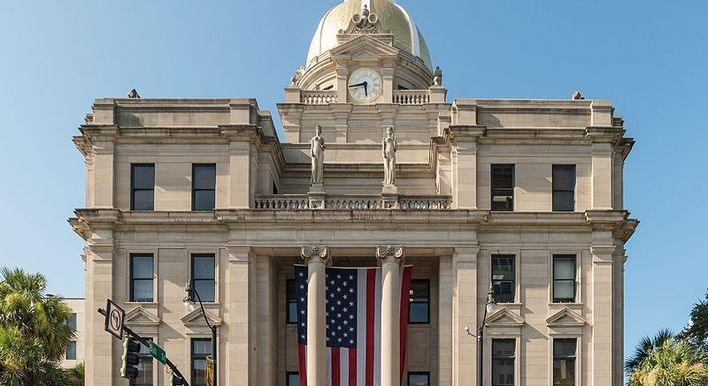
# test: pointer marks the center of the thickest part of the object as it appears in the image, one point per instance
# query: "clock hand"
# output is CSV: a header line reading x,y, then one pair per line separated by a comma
x,y
358,84
366,87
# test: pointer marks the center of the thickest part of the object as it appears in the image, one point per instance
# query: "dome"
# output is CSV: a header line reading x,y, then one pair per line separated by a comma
x,y
392,17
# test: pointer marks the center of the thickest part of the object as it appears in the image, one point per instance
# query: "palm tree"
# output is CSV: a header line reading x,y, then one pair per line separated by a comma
x,y
674,363
645,347
34,334
76,375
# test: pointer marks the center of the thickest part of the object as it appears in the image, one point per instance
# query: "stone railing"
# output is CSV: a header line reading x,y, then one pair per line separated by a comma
x,y
316,97
353,202
411,97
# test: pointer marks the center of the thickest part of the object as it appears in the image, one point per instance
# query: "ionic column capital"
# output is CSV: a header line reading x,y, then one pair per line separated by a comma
x,y
389,253
312,254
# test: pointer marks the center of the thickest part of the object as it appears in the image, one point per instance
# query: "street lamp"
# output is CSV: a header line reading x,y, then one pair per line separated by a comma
x,y
488,308
191,306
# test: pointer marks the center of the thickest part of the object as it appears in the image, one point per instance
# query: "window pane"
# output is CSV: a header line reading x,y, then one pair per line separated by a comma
x,y
206,290
502,176
71,322
564,268
144,368
564,372
71,351
142,291
143,176
204,200
502,372
201,347
564,201
418,313
418,379
564,348
564,291
563,177
204,176
292,312
503,278
142,267
203,267
293,379
503,347
143,200
420,290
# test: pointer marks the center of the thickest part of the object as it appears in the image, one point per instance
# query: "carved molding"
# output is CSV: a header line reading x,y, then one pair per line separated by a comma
x,y
565,318
385,252
139,316
504,317
310,253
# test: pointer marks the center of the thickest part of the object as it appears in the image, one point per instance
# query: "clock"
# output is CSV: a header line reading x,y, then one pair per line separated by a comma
x,y
365,85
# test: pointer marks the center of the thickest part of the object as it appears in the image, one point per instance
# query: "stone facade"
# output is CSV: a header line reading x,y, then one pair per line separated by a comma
x,y
76,352
441,214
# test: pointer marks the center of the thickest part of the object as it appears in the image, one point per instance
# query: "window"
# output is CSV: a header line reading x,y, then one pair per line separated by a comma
x,y
418,379
564,362
71,322
503,352
203,271
144,368
141,276
419,306
201,348
563,278
503,278
142,186
291,294
292,378
563,188
503,187
71,351
203,186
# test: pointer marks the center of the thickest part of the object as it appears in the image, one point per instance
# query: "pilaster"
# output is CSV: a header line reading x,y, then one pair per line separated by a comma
x,y
104,175
240,175
464,165
601,176
602,251
464,313
240,365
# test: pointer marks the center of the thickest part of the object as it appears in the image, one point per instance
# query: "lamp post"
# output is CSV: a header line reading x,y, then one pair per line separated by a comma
x,y
189,304
488,308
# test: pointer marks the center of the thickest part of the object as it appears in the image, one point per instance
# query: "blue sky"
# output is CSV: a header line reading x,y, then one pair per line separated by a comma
x,y
648,57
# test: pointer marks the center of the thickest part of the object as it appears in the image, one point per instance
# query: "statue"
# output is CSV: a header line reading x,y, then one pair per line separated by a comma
x,y
134,94
317,149
437,76
388,150
297,76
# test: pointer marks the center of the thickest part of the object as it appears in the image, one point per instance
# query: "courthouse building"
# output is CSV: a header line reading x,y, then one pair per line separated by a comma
x,y
525,196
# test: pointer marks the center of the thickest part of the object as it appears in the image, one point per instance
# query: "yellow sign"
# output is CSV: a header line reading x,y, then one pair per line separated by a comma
x,y
210,371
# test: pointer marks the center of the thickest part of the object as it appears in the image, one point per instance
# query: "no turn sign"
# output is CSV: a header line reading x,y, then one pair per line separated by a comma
x,y
114,319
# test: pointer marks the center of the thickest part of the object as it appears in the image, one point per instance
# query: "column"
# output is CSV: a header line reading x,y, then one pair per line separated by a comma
x,y
316,259
390,258
236,368
465,312
602,309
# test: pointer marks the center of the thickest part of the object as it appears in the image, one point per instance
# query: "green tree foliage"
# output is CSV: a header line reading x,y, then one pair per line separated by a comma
x,y
697,330
34,334
645,347
76,376
676,362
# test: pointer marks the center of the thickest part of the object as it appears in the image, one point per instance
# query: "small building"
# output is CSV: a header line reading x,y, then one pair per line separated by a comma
x,y
75,353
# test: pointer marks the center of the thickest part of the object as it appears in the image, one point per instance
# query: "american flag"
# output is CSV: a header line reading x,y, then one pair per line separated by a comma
x,y
353,316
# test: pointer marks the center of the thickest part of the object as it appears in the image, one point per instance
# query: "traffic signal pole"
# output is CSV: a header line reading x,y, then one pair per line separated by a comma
x,y
146,343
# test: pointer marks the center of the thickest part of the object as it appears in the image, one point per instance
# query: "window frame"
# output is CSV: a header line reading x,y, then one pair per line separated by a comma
x,y
493,189
574,259
71,344
133,189
132,279
287,377
193,280
513,358
195,189
514,275
72,320
288,301
193,357
411,301
555,190
409,373
576,358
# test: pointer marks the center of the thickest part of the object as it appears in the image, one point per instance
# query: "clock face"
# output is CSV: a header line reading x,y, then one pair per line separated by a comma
x,y
365,85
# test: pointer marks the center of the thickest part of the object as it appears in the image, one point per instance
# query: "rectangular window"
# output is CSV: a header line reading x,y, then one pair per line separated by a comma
x,y
503,355
564,362
291,294
563,188
142,187
71,322
563,278
419,306
201,349
203,186
292,378
141,277
503,187
144,368
503,278
203,277
71,351
418,379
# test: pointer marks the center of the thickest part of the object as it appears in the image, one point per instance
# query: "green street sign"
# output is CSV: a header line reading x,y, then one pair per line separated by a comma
x,y
158,352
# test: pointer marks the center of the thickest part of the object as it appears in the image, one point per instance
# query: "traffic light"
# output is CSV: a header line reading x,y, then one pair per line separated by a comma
x,y
130,358
177,381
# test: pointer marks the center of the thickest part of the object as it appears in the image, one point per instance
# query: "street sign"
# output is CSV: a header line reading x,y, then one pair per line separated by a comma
x,y
210,371
114,319
158,353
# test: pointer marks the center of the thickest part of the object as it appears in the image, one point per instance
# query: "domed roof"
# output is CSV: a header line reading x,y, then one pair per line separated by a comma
x,y
392,17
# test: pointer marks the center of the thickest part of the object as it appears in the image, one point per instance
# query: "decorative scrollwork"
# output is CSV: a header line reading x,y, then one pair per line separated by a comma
x,y
309,252
384,252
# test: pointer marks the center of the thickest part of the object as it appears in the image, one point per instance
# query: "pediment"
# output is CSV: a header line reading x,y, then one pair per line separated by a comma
x,y
504,317
565,318
196,319
140,316
364,48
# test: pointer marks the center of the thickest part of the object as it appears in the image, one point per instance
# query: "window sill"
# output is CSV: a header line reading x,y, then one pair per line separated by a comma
x,y
134,303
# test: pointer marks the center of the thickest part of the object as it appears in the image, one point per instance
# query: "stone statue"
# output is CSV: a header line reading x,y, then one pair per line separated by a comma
x,y
297,76
577,95
134,94
317,149
437,76
388,150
